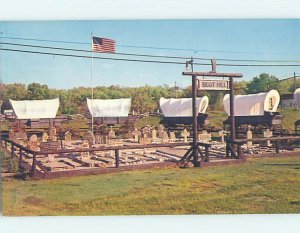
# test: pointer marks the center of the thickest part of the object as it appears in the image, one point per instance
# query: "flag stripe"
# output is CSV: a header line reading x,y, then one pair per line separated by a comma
x,y
103,45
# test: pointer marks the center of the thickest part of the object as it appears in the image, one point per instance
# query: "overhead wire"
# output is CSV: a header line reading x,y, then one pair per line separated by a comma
x,y
162,48
123,59
271,83
278,81
96,57
85,50
132,60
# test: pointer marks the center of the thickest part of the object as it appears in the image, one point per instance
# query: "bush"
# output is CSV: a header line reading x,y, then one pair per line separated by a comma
x,y
13,165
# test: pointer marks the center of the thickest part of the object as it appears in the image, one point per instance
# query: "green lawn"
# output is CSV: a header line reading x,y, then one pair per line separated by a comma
x,y
216,118
290,116
4,125
75,124
269,185
151,120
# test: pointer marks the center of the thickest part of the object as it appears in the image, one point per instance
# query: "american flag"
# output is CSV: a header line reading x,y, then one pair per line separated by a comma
x,y
104,45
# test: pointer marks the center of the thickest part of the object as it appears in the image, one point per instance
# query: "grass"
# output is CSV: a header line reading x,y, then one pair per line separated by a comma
x,y
4,125
290,117
268,185
216,118
75,124
7,163
141,122
151,120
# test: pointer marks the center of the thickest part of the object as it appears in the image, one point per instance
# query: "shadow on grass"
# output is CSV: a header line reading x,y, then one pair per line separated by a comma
x,y
282,164
295,202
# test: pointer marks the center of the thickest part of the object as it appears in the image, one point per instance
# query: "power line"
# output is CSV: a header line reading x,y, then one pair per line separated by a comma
x,y
285,75
102,58
256,60
150,61
43,40
136,54
81,50
164,48
85,50
1,72
271,83
259,65
146,61
278,81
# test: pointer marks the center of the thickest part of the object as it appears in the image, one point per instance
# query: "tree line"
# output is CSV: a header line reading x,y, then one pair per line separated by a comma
x,y
144,99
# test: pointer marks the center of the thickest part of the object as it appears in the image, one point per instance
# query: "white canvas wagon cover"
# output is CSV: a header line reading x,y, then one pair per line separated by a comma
x,y
109,107
182,107
35,109
297,97
254,104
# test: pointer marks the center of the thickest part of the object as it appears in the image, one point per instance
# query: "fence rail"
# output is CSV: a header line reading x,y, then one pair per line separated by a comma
x,y
232,146
239,142
24,151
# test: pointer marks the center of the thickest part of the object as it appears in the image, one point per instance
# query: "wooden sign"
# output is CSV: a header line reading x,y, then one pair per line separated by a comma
x,y
218,85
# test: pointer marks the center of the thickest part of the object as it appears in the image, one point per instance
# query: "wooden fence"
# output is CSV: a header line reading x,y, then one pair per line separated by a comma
x,y
232,147
25,152
237,152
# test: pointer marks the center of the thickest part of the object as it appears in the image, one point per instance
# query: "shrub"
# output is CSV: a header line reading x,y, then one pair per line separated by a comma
x,y
13,165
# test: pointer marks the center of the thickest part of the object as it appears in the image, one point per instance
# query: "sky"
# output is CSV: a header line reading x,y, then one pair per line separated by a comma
x,y
230,39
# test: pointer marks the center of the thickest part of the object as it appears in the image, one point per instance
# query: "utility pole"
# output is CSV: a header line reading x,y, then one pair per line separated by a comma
x,y
1,68
294,81
92,85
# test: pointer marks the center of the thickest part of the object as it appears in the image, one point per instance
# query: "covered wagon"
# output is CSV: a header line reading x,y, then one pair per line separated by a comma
x,y
297,98
37,113
179,111
297,105
255,109
111,111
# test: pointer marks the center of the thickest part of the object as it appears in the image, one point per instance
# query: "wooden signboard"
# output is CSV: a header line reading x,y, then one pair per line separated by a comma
x,y
217,85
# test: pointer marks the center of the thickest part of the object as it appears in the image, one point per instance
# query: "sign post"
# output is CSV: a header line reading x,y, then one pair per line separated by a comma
x,y
232,131
195,123
216,85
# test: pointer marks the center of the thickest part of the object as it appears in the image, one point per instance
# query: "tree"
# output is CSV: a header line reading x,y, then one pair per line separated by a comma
x,y
37,91
142,102
15,91
241,88
263,83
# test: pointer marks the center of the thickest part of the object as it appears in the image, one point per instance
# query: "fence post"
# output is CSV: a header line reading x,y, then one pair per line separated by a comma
x,y
277,147
21,158
239,152
12,150
227,149
33,167
207,153
117,153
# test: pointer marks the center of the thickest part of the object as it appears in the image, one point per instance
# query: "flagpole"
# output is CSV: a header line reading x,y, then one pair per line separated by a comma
x,y
92,62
